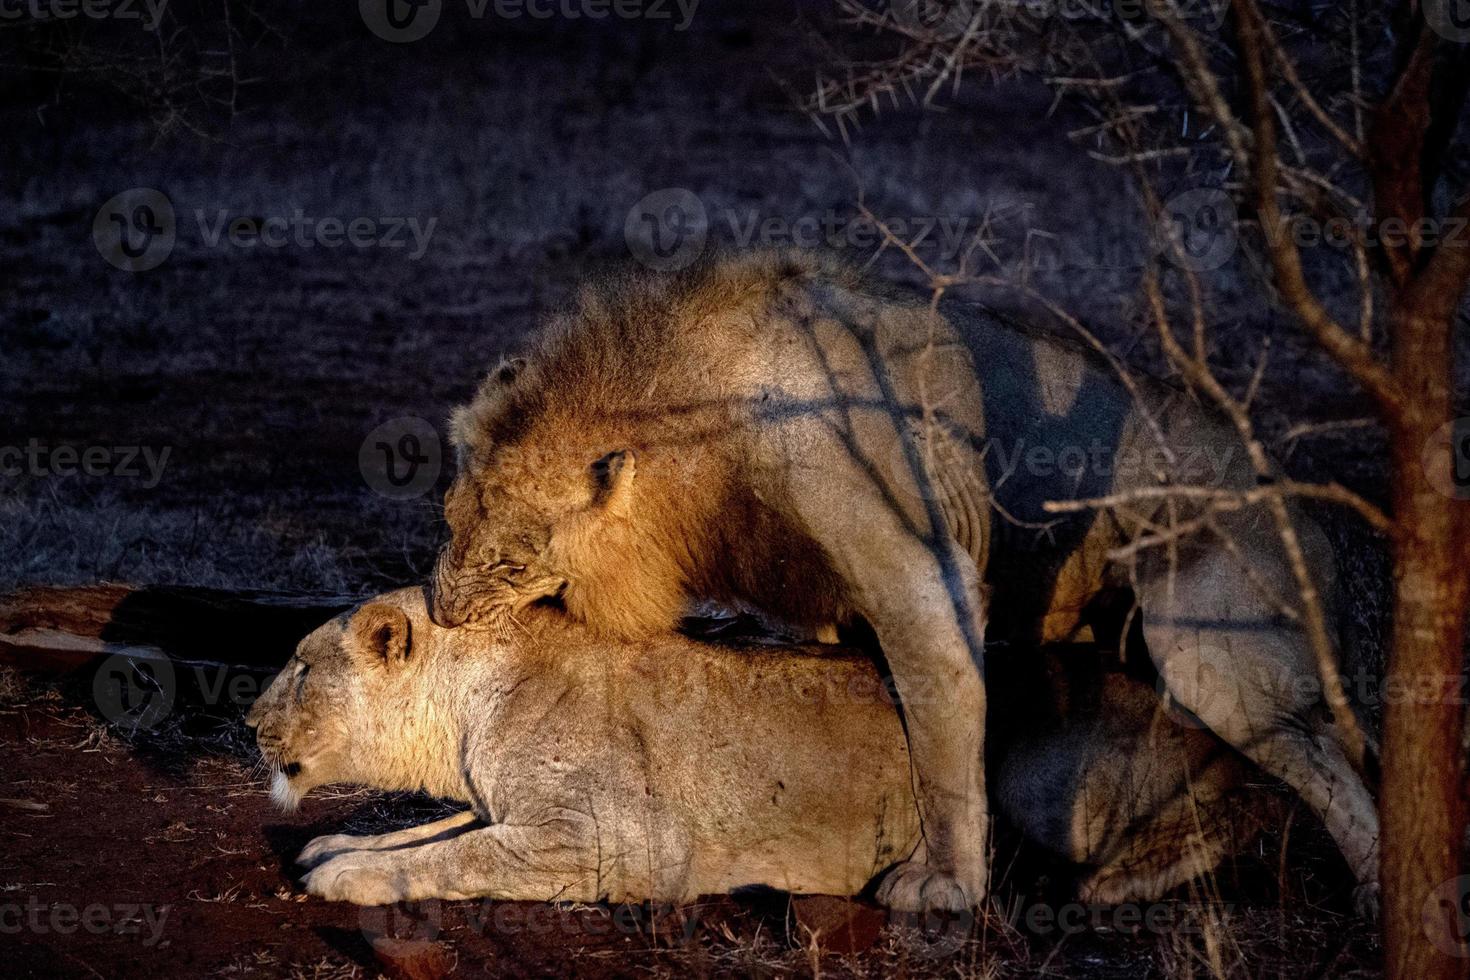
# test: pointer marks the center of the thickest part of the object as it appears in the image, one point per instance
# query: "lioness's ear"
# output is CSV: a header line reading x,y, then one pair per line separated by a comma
x,y
382,633
612,475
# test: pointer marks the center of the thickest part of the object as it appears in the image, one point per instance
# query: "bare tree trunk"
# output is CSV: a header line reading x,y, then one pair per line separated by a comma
x,y
1421,803
1424,260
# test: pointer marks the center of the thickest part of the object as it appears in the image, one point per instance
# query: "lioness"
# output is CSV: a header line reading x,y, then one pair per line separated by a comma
x,y
771,431
598,769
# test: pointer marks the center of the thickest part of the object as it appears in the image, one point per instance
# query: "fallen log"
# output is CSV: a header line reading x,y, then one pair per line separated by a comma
x,y
60,629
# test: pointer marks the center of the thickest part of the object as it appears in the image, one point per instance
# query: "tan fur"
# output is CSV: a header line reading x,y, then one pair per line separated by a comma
x,y
641,382
770,431
770,407
597,769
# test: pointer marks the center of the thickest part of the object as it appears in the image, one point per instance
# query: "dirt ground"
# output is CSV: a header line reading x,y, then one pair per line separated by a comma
x,y
264,372
157,852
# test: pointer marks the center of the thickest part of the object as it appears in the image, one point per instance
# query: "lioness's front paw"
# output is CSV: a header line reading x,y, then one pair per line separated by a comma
x,y
913,886
360,877
328,846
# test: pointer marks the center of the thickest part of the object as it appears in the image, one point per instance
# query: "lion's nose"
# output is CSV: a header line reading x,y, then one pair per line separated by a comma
x,y
445,613
441,604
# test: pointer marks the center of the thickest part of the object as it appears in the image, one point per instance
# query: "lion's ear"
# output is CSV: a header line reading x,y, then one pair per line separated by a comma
x,y
509,370
462,423
468,423
612,476
382,634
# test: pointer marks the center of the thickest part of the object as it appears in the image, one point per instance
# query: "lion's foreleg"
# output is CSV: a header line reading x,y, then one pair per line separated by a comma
x,y
508,862
922,595
330,845
931,636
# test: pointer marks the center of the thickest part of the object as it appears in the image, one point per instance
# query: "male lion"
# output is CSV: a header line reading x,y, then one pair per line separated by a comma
x,y
770,431
599,769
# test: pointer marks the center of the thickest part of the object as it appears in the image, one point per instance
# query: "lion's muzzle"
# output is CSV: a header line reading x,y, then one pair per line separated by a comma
x,y
447,605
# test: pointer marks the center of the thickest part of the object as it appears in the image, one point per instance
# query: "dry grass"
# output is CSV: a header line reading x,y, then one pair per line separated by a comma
x,y
13,687
61,534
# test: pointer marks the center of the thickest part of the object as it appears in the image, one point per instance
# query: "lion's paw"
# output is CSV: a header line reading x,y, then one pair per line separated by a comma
x,y
328,846
360,877
913,886
1108,887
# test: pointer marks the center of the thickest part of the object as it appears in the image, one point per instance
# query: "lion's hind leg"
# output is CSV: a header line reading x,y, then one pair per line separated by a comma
x,y
1227,656
1186,840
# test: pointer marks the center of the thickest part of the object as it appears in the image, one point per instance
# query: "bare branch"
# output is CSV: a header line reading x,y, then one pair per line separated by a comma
x,y
1289,72
1202,82
1351,353
1226,499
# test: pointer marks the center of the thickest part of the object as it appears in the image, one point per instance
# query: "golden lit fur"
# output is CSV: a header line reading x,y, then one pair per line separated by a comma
x,y
771,431
730,434
670,768
641,383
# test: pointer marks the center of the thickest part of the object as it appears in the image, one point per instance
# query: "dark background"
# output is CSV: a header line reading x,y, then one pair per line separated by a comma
x,y
526,142
263,371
